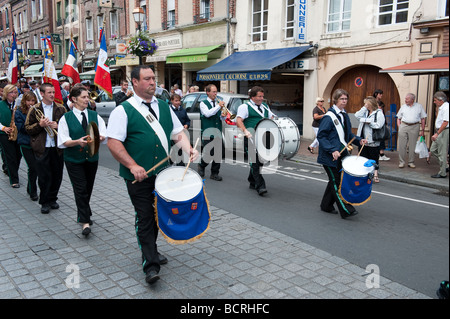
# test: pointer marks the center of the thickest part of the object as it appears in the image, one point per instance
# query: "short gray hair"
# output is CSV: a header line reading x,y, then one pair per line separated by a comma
x,y
441,96
412,95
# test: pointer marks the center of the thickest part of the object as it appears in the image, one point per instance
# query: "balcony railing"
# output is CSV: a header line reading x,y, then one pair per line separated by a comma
x,y
169,24
202,18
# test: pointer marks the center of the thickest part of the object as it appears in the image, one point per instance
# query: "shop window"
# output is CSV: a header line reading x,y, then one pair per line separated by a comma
x,y
339,15
260,15
392,11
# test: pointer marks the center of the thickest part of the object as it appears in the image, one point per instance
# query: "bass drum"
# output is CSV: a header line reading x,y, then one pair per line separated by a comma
x,y
277,138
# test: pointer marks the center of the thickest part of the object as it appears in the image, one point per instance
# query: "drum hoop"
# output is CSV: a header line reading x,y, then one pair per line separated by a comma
x,y
298,137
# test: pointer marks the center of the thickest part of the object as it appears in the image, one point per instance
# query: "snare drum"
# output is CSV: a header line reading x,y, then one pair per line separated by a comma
x,y
277,138
182,209
356,181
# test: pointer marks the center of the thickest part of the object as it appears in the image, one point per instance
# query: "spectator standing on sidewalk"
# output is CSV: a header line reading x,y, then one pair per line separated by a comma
x,y
318,113
411,124
378,95
439,147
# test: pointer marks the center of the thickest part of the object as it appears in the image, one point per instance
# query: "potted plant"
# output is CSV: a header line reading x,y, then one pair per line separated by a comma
x,y
142,44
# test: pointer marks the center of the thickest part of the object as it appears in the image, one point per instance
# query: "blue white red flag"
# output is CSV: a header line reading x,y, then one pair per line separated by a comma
x,y
102,74
13,66
70,69
50,76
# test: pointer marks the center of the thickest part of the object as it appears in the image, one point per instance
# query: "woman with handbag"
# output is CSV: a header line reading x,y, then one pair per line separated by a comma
x,y
370,118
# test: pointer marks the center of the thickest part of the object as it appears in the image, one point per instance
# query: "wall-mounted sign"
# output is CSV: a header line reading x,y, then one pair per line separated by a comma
x,y
301,9
34,51
298,65
359,82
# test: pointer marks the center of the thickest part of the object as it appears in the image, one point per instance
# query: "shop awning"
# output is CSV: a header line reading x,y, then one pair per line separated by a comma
x,y
201,54
250,65
34,70
429,66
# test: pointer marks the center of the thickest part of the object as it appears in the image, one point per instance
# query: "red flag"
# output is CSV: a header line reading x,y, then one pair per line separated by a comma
x,y
13,66
102,75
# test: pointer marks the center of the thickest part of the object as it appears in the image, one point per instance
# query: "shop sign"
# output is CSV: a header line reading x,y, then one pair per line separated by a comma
x,y
301,9
169,43
188,59
235,76
127,61
295,66
88,64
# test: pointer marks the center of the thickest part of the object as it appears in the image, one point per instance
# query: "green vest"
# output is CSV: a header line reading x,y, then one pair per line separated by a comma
x,y
76,154
5,115
142,143
211,122
254,117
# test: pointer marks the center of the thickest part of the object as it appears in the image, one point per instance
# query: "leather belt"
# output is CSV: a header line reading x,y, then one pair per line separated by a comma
x,y
409,124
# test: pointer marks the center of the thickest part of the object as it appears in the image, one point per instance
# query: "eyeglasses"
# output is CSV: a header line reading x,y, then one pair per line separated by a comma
x,y
343,99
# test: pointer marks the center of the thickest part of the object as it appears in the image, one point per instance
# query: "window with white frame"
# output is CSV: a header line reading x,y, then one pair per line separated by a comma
x,y
15,24
99,24
260,15
25,21
114,25
290,19
392,11
41,9
89,32
21,28
339,15
35,42
33,9
205,9
443,9
171,14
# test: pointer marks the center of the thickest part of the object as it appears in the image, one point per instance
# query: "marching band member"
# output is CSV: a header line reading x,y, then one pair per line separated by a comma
x,y
248,116
211,120
139,132
73,139
42,124
9,147
335,131
23,139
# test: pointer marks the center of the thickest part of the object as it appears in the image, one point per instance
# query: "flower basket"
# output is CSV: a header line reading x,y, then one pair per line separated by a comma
x,y
142,45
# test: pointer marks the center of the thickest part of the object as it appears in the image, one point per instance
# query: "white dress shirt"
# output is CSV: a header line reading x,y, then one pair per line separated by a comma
x,y
118,119
442,115
210,112
63,128
243,110
411,114
48,113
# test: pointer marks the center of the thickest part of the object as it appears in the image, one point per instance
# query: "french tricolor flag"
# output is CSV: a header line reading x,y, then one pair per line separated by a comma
x,y
102,75
49,75
70,69
13,68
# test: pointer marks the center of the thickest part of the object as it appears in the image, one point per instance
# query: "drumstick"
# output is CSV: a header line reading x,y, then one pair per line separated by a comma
x,y
154,167
190,160
361,149
347,145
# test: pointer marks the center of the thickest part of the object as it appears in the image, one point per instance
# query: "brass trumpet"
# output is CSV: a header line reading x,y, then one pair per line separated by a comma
x,y
39,116
224,109
93,96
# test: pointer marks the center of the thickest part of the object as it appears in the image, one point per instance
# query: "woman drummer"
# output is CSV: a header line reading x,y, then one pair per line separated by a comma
x,y
73,138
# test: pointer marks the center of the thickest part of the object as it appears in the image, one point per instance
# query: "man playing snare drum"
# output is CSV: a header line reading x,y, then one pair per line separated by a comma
x,y
139,133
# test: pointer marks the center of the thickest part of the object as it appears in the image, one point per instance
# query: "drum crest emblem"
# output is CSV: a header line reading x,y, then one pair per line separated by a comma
x,y
175,211
194,206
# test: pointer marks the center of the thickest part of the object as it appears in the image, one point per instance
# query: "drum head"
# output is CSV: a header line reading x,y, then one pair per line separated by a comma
x,y
94,144
354,165
169,186
268,140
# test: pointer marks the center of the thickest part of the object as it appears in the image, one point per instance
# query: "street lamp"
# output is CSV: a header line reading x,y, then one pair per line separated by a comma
x,y
139,16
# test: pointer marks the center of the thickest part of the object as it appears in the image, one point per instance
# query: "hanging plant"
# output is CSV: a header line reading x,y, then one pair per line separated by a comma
x,y
142,44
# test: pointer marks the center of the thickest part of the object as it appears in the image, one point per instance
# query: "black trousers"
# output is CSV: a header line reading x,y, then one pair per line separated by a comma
x,y
143,199
331,195
12,157
28,155
82,177
50,172
255,177
215,167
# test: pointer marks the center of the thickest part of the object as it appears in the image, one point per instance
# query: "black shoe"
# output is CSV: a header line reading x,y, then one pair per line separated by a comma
x,y
45,209
54,205
201,171
438,176
15,185
34,197
252,186
151,277
216,177
162,259
86,231
262,191
345,215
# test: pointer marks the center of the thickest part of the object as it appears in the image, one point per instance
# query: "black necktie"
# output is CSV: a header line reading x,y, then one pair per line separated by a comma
x,y
150,109
84,121
259,108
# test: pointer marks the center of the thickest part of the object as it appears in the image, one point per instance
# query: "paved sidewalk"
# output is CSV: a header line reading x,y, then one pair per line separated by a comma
x,y
236,258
